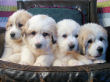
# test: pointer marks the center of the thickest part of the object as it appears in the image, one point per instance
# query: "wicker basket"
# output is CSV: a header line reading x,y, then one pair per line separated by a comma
x,y
11,72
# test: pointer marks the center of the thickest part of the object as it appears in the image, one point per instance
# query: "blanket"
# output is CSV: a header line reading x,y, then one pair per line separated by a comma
x,y
103,9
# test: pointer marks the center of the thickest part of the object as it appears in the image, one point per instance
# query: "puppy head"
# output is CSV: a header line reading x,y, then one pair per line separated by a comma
x,y
15,24
93,40
39,32
67,31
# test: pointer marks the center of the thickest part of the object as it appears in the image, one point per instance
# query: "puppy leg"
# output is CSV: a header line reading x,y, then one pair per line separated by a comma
x,y
15,58
74,62
79,57
44,60
99,61
27,57
7,52
57,62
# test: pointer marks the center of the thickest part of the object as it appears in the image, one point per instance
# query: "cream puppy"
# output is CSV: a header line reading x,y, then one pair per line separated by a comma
x,y
39,34
67,34
93,42
13,35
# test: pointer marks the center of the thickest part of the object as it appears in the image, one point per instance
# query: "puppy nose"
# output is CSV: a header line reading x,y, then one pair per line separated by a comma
x,y
71,46
12,35
38,45
100,49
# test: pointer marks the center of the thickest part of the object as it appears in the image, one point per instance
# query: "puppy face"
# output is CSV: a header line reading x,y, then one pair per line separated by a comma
x,y
93,40
15,23
67,31
39,33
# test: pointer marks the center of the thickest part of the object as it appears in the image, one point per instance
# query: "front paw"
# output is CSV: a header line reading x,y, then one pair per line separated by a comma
x,y
99,61
24,63
40,64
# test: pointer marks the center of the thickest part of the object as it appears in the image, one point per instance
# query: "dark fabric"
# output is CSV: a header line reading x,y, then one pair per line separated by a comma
x,y
59,13
88,6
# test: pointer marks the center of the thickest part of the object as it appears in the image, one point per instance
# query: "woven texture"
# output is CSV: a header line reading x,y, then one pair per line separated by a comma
x,y
104,12
59,13
7,7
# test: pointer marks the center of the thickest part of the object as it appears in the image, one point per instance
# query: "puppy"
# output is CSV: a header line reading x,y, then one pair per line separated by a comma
x,y
67,34
93,42
13,35
39,34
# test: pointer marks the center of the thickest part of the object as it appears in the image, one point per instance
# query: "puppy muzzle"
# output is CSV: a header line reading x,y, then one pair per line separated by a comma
x,y
71,47
38,45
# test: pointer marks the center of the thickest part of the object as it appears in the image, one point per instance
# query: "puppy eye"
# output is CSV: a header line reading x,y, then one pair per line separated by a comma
x,y
101,38
45,34
90,41
76,35
10,25
20,25
33,33
64,36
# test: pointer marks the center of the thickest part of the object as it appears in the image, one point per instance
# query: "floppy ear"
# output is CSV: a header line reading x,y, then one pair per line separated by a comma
x,y
8,23
81,45
54,38
24,29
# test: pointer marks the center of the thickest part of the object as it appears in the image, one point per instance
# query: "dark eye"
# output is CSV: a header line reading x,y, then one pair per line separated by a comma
x,y
76,35
90,41
10,24
33,33
45,34
20,25
64,36
101,38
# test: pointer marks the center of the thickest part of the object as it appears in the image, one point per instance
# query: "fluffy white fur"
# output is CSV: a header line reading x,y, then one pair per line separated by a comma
x,y
13,35
38,39
67,33
93,42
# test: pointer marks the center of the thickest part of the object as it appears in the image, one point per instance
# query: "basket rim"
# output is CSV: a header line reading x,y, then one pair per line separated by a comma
x,y
83,68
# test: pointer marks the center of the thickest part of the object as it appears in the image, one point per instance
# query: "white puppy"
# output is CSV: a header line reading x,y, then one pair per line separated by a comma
x,y
67,33
13,35
39,34
93,42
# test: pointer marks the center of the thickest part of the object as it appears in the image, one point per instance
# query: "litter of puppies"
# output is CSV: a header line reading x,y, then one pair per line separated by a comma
x,y
39,41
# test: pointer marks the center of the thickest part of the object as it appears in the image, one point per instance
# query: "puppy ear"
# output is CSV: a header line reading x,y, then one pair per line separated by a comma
x,y
25,29
53,40
8,23
81,44
54,37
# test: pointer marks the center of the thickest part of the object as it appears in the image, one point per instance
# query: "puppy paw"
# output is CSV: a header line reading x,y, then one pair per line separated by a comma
x,y
40,64
75,63
44,60
99,61
24,63
87,61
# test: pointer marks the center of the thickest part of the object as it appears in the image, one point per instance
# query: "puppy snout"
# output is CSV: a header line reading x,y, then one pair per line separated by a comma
x,y
71,46
100,49
38,45
12,35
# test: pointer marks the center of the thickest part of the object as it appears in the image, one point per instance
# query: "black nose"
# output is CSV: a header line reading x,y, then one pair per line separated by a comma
x,y
71,46
38,45
12,35
100,49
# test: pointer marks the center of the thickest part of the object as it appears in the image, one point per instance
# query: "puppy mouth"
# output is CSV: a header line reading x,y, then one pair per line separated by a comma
x,y
38,46
14,37
99,55
71,47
